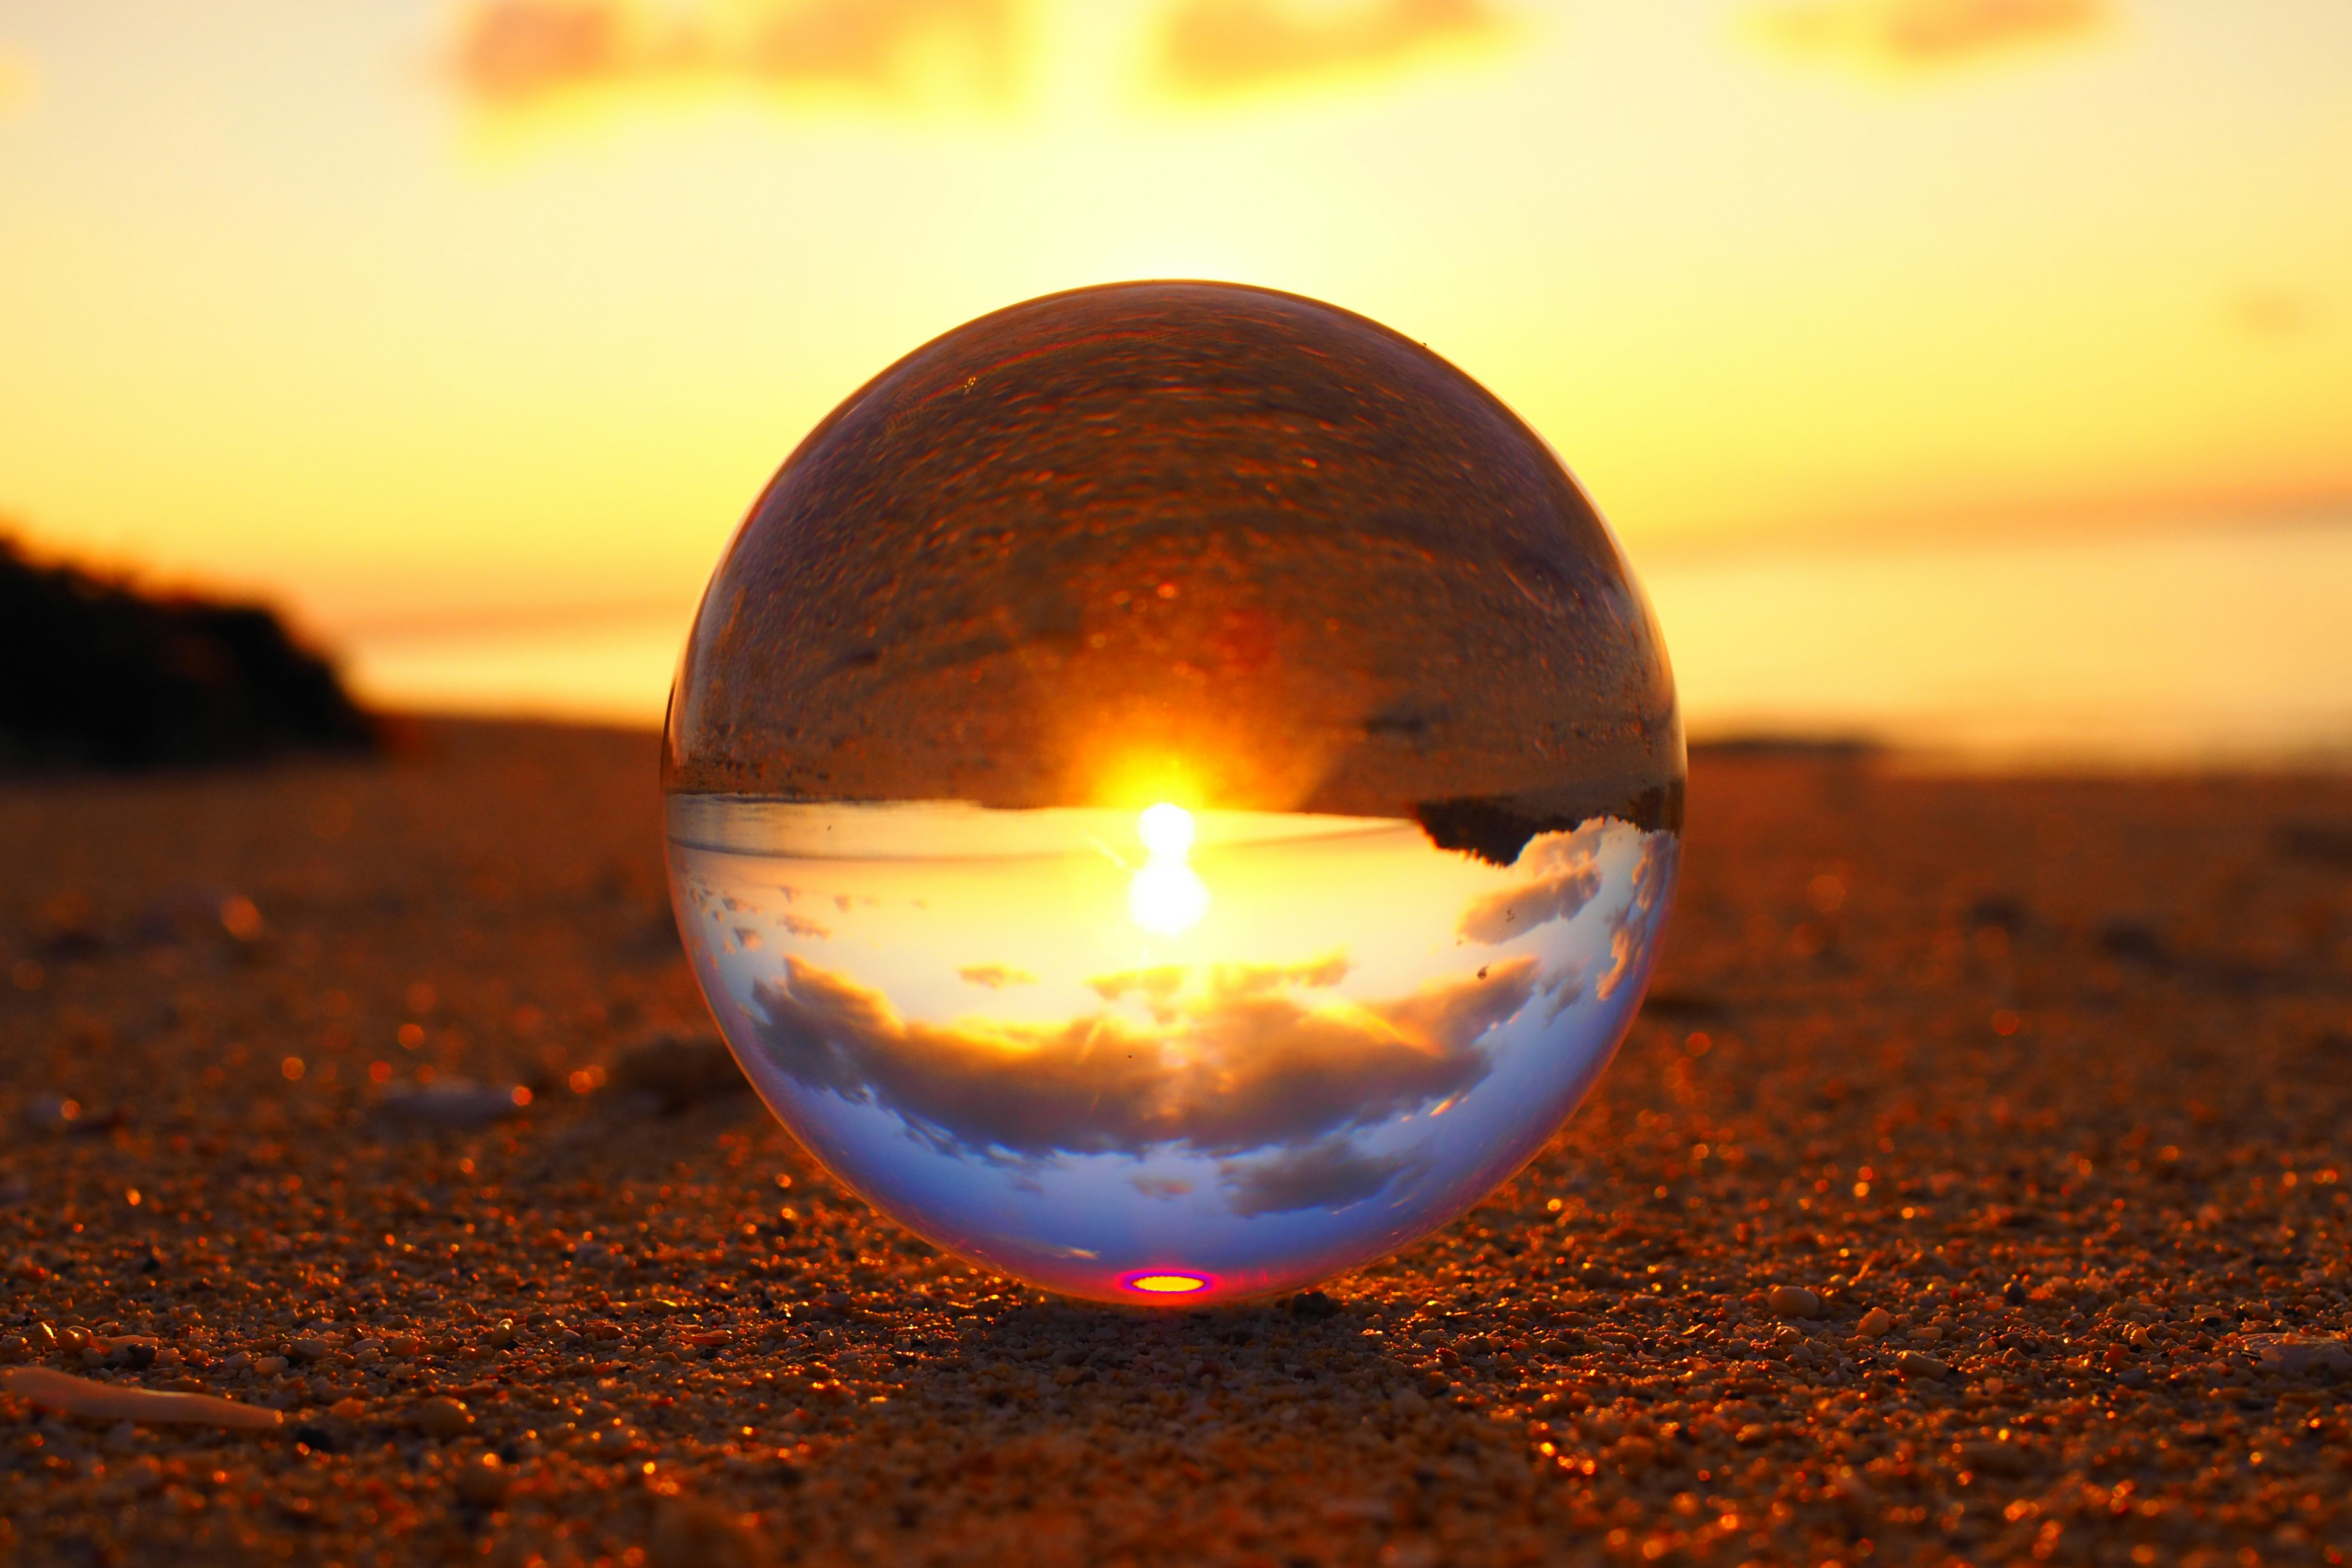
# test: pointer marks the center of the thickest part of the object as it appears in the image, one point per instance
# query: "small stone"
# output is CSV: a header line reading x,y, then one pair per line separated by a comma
x,y
442,1416
51,1113
691,1533
1919,1363
483,1484
454,1102
1792,1301
136,1352
1313,1304
1875,1323
71,1396
680,1071
309,1348
270,1365
1409,1400
2293,1354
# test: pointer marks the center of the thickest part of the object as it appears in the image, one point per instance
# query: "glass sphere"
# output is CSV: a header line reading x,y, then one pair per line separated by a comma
x,y
1172,792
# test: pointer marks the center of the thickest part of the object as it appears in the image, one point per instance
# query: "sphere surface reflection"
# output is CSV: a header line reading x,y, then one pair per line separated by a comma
x,y
1172,792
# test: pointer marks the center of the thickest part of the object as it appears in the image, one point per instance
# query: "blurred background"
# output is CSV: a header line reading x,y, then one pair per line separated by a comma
x,y
1973,375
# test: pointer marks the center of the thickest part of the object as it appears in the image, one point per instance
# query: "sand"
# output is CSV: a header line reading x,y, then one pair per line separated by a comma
x,y
2034,1094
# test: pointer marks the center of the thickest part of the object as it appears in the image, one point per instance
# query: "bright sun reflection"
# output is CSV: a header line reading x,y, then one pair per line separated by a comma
x,y
1167,896
1166,1284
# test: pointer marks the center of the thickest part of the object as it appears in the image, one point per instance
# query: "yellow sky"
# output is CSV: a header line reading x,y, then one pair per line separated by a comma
x,y
406,310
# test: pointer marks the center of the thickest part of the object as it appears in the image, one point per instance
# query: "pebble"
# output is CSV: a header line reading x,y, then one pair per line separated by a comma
x,y
2294,1353
1876,1323
455,1103
483,1483
442,1416
680,1071
71,1395
1793,1302
50,1113
689,1532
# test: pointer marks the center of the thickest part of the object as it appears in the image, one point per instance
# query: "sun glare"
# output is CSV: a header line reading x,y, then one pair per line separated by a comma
x,y
1166,1284
1167,831
1167,896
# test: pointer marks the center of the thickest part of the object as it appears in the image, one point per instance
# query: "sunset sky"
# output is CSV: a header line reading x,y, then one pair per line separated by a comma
x,y
410,312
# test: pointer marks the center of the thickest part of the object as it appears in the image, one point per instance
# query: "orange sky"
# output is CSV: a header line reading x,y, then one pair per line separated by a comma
x,y
403,310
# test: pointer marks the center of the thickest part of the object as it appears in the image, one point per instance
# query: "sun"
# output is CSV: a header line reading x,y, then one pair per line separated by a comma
x,y
1167,896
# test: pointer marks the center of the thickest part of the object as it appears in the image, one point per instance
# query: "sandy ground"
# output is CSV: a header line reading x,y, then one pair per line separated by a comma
x,y
2040,1088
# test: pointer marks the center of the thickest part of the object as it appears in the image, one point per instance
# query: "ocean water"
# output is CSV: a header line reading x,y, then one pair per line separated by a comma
x,y
1129,1056
2189,647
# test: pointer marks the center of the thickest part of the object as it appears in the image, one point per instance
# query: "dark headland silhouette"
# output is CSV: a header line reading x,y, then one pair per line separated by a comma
x,y
96,673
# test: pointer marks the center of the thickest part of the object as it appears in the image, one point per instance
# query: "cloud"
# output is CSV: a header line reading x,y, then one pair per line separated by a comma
x,y
1635,931
1330,1173
1160,1186
994,976
1215,47
18,81
515,53
1226,1073
1561,880
2274,313
1158,988
1563,877
1923,35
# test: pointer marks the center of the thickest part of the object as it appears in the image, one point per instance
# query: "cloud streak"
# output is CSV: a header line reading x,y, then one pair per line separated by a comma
x,y
1330,1173
994,976
1232,1067
1562,877
1211,47
518,53
1914,36
18,81
2274,313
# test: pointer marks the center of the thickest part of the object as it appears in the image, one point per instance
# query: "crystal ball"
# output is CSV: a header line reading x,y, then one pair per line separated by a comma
x,y
1173,792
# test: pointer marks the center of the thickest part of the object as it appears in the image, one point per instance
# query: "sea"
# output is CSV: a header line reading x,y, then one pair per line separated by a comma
x,y
2204,647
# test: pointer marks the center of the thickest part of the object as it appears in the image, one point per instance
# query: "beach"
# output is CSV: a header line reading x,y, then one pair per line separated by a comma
x,y
1970,1188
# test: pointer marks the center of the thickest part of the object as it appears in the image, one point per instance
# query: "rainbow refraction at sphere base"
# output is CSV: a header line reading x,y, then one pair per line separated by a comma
x,y
1173,792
